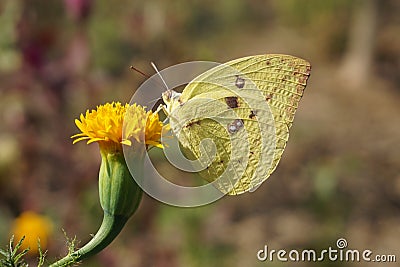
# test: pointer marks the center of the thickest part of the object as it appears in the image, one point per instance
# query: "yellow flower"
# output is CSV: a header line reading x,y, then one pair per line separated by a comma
x,y
113,125
105,125
33,226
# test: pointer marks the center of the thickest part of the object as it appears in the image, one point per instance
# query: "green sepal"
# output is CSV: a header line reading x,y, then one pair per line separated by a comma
x,y
119,193
120,196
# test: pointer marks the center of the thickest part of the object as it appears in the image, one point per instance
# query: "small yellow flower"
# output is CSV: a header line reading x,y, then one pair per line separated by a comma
x,y
105,125
33,226
113,125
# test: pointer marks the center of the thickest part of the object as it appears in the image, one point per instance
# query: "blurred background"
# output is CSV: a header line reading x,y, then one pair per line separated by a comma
x,y
340,173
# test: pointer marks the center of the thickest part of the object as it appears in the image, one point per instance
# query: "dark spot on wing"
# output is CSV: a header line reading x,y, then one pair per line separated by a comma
x,y
235,126
299,89
308,70
303,79
232,128
239,82
268,97
232,101
252,114
238,123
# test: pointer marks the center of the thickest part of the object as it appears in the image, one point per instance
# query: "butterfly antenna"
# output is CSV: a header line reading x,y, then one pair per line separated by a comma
x,y
147,76
139,71
159,74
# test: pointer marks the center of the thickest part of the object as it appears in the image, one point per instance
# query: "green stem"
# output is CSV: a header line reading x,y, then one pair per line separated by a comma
x,y
119,198
109,229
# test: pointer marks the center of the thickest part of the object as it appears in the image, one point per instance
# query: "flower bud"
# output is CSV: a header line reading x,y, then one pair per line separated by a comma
x,y
119,193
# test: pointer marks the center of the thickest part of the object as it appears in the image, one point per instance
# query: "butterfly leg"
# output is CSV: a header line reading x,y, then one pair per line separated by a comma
x,y
163,108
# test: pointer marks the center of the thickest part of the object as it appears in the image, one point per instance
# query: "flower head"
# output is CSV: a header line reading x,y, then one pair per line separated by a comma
x,y
105,125
34,227
113,125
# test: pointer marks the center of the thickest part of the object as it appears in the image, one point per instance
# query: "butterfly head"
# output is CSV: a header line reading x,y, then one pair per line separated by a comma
x,y
171,99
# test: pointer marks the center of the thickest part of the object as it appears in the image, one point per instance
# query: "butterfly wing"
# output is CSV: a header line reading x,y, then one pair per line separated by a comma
x,y
229,143
242,85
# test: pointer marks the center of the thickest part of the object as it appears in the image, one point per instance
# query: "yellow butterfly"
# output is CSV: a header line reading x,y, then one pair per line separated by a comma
x,y
235,118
